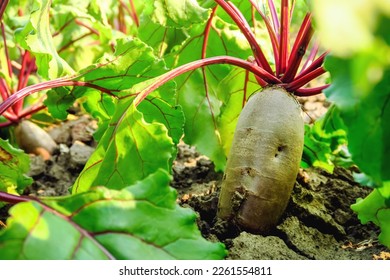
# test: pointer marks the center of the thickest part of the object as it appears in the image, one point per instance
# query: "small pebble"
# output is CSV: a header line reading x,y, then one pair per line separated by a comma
x,y
37,165
80,153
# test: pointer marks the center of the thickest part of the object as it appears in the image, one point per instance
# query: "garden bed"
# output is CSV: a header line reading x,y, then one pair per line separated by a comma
x,y
318,222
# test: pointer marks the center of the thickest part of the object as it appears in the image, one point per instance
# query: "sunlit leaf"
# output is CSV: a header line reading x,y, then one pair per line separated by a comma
x,y
178,13
160,107
101,107
365,109
375,208
161,38
76,43
361,91
36,36
132,63
14,164
325,142
129,150
234,90
351,25
199,91
141,221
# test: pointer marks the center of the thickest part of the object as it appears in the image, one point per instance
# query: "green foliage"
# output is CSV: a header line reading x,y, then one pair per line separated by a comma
x,y
375,208
232,100
128,141
365,109
102,223
177,14
203,93
360,72
326,142
104,69
14,163
36,37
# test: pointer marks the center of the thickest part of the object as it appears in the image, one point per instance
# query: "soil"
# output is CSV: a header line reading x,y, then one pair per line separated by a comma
x,y
318,223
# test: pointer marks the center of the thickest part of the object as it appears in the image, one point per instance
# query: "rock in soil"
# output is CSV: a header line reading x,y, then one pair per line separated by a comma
x,y
33,139
54,177
247,246
80,153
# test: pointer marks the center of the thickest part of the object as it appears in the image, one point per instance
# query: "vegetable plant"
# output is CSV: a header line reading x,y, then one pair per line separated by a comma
x,y
267,147
156,72
9,83
26,44
18,69
264,158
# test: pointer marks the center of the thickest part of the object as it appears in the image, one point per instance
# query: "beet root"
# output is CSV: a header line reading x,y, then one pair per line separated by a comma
x,y
263,162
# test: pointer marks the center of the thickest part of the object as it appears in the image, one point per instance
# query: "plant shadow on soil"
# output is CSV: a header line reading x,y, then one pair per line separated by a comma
x,y
318,222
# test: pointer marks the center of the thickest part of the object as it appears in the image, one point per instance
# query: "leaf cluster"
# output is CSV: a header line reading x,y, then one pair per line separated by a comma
x,y
360,71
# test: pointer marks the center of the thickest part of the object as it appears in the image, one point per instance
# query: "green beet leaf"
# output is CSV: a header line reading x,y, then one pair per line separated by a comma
x,y
178,13
36,36
161,38
325,142
14,164
375,208
156,108
130,149
58,101
361,91
164,24
74,42
241,86
132,63
141,221
102,108
201,110
199,92
366,115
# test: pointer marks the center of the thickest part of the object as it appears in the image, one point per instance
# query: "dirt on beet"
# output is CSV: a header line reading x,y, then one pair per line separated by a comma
x,y
318,223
